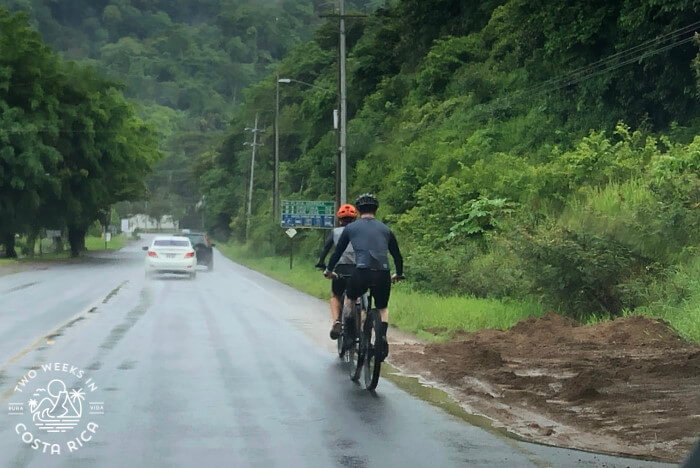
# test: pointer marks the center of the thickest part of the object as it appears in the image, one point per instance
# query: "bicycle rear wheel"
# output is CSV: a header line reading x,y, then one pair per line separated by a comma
x,y
355,349
341,345
372,366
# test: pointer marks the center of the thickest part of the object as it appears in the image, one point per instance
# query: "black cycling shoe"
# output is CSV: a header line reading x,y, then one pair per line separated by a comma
x,y
335,331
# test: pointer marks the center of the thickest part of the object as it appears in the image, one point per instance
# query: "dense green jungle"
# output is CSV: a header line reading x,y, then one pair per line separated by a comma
x,y
519,149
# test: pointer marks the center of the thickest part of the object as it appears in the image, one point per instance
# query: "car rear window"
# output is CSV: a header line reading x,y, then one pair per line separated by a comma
x,y
196,239
171,243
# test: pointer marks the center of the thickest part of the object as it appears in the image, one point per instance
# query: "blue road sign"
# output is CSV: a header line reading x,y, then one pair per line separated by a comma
x,y
308,214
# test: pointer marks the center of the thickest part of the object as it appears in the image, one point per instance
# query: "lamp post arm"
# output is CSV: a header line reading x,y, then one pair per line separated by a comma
x,y
311,85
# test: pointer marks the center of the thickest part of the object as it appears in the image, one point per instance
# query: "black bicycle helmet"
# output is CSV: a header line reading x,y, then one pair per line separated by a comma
x,y
368,200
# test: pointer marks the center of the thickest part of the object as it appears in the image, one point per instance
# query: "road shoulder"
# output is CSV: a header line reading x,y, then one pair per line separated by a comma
x,y
626,387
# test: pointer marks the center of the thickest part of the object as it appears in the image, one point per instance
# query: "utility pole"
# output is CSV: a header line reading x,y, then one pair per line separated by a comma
x,y
343,111
276,185
255,145
342,163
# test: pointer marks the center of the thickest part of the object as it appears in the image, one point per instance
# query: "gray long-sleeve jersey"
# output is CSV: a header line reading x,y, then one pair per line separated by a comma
x,y
372,242
348,257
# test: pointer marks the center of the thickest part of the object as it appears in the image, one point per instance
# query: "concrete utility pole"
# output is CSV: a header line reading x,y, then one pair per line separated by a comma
x,y
342,163
343,112
255,145
276,188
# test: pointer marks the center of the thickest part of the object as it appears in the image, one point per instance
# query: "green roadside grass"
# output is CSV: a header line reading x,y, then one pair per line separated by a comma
x,y
430,316
436,318
46,257
92,243
97,243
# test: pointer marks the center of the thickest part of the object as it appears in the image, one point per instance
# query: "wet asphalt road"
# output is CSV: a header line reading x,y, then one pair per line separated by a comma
x,y
231,369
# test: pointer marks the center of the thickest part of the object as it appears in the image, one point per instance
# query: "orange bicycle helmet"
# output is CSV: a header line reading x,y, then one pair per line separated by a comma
x,y
347,211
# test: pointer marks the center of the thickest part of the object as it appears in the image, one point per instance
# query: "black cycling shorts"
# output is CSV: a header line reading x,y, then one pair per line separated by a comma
x,y
378,282
338,285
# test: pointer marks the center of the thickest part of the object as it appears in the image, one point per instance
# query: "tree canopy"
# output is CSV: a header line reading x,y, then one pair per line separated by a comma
x,y
71,145
186,62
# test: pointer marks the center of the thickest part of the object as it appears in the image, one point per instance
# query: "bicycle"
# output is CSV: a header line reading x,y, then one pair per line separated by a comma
x,y
359,346
357,342
368,343
350,338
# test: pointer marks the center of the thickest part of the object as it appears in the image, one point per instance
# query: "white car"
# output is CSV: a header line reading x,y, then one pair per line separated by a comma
x,y
171,254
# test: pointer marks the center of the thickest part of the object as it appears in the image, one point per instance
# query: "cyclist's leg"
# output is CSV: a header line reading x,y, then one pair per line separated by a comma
x,y
381,290
337,287
336,307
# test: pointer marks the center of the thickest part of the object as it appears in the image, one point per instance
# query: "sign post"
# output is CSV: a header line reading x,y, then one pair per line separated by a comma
x,y
291,232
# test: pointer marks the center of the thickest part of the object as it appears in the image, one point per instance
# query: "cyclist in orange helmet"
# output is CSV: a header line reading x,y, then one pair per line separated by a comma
x,y
346,265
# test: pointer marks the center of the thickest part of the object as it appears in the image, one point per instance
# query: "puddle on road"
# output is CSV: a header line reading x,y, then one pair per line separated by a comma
x,y
441,399
20,287
127,365
113,293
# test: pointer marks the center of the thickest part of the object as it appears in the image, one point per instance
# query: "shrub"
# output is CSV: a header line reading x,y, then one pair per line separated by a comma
x,y
468,270
579,272
498,273
439,271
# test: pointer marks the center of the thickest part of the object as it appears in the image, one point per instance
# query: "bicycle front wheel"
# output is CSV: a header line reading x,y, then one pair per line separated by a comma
x,y
372,365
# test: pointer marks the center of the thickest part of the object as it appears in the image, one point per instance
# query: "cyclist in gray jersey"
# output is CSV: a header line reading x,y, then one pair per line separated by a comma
x,y
344,267
372,242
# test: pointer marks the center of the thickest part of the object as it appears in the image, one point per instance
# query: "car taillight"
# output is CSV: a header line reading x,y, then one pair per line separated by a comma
x,y
189,255
152,253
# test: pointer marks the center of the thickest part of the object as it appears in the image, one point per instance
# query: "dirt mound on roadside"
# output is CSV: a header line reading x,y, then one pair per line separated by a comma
x,y
543,326
587,385
632,380
632,331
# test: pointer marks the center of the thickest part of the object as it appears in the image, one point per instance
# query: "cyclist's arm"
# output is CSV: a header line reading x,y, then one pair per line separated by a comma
x,y
339,249
396,253
327,246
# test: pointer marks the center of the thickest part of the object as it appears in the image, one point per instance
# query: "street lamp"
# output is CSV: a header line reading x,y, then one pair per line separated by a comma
x,y
276,189
276,194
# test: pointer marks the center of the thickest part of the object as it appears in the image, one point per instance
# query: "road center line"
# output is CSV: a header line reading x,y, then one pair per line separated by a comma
x,y
44,338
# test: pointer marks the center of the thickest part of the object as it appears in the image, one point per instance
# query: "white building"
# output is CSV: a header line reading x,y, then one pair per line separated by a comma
x,y
146,223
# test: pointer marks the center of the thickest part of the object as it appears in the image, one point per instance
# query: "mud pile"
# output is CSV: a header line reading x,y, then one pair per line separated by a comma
x,y
630,386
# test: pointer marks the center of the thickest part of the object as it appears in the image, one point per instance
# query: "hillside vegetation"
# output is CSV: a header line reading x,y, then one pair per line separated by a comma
x,y
519,149
186,62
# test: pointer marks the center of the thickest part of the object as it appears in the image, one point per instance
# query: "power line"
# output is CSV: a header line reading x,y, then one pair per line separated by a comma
x,y
631,60
604,62
573,79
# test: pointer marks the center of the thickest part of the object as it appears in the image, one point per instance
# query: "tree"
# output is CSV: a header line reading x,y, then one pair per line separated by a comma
x,y
71,144
29,125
